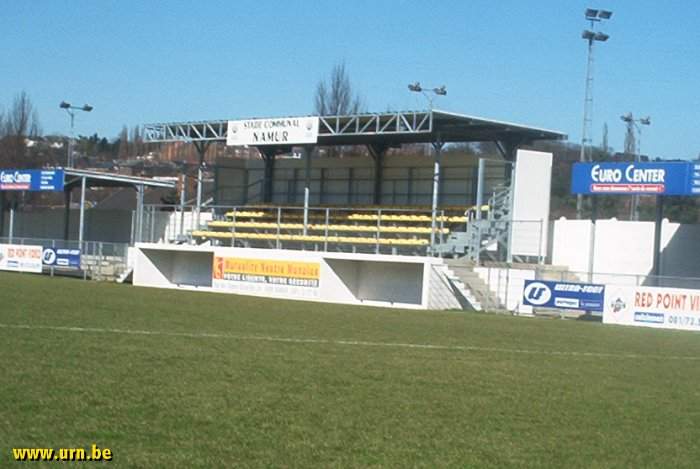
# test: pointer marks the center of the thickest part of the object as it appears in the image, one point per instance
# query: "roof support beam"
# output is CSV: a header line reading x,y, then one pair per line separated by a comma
x,y
268,154
377,151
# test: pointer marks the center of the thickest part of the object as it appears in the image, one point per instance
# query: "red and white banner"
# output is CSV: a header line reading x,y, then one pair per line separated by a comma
x,y
667,308
21,258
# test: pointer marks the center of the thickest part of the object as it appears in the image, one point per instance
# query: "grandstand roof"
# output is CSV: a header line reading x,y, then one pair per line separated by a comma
x,y
391,128
99,179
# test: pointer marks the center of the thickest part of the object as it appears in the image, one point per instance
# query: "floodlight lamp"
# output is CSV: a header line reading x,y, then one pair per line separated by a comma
x,y
627,117
442,91
602,37
645,120
604,14
591,13
87,108
64,105
589,35
415,87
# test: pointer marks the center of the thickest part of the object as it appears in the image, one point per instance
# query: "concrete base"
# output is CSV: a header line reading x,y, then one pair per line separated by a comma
x,y
369,279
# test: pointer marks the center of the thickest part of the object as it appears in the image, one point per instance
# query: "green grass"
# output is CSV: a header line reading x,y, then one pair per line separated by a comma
x,y
503,392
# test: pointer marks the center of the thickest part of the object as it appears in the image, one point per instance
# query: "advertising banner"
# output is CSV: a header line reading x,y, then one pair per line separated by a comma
x,y
564,295
282,131
636,178
31,180
20,258
59,257
668,308
266,271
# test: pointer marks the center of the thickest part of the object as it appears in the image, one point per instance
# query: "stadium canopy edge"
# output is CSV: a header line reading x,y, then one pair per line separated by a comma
x,y
388,128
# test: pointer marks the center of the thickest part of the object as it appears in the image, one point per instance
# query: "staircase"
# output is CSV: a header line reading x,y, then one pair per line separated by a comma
x,y
466,282
484,236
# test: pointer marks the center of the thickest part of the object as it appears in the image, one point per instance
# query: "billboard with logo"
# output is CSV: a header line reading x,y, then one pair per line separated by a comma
x,y
20,258
31,180
636,178
668,308
267,271
564,295
62,258
281,131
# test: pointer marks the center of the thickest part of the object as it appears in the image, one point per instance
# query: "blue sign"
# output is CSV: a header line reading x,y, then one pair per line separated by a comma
x,y
58,257
564,295
31,180
636,178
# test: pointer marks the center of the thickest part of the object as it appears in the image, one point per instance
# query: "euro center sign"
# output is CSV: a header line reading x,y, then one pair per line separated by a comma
x,y
281,131
31,180
636,178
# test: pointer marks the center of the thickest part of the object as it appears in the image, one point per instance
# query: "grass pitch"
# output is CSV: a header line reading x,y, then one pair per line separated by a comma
x,y
178,379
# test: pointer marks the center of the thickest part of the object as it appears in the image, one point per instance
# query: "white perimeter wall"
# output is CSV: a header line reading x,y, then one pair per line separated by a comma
x,y
626,247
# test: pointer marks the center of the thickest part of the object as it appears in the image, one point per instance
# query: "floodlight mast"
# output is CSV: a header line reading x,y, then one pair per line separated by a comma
x,y
593,16
70,109
437,91
635,147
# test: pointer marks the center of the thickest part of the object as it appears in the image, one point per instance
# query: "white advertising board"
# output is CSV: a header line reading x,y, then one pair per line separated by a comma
x,y
20,258
282,131
667,308
533,176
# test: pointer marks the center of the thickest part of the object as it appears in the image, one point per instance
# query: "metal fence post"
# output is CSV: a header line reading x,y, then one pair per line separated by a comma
x,y
379,229
325,241
279,220
82,246
539,249
153,227
507,285
233,228
99,260
442,226
53,245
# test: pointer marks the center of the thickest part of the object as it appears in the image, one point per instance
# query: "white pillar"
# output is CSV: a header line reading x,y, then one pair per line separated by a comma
x,y
199,196
139,214
436,189
81,226
480,187
11,231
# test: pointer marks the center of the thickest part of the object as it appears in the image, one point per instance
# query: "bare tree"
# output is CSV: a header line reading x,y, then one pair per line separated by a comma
x,y
20,122
336,97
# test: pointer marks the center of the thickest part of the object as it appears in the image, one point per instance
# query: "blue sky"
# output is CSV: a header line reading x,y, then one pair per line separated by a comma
x,y
138,62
